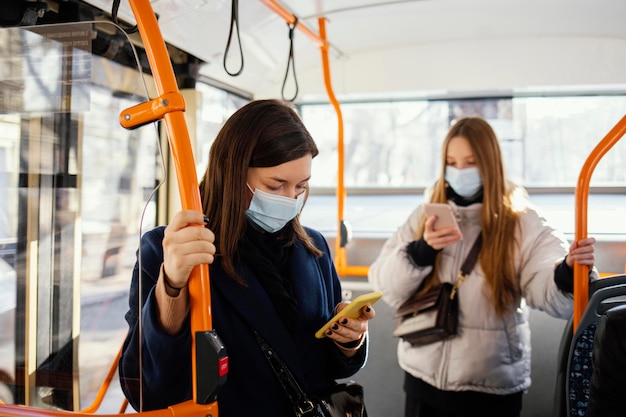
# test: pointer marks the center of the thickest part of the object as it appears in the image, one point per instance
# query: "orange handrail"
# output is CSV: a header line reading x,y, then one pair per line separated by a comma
x,y
185,409
182,153
104,387
341,259
291,19
581,272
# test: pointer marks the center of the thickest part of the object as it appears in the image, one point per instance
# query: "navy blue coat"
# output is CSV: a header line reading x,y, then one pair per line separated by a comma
x,y
251,387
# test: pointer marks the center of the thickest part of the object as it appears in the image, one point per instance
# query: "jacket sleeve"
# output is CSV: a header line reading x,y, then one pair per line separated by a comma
x,y
165,360
393,272
339,366
542,250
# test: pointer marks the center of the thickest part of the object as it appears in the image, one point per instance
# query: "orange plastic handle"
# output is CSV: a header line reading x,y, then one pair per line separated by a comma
x,y
152,110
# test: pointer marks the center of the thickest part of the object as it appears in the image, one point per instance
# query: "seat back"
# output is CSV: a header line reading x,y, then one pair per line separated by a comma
x,y
606,389
575,351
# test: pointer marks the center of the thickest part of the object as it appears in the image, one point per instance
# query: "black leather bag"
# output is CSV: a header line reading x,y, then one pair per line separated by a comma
x,y
429,317
342,400
345,399
433,315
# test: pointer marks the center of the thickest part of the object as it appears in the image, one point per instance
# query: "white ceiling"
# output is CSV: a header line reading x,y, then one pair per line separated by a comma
x,y
394,48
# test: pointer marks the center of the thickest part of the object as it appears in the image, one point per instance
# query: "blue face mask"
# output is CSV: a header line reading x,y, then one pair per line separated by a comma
x,y
465,182
272,212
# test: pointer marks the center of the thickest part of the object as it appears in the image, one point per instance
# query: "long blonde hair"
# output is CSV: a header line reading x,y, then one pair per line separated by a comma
x,y
498,217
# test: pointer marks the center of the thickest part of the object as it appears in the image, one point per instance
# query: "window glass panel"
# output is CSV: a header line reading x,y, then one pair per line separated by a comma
x,y
215,107
560,132
544,140
74,186
387,144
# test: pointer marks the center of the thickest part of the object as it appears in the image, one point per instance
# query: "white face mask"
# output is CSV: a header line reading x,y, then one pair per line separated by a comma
x,y
272,212
465,182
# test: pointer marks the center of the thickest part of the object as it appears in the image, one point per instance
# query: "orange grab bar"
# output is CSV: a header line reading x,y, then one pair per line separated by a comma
x,y
291,19
341,262
184,409
581,272
340,252
199,286
104,387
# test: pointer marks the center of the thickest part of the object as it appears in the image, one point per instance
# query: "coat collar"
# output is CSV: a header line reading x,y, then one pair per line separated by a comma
x,y
253,305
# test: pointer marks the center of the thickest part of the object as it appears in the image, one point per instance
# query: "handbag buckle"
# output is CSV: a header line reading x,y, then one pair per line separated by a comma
x,y
460,278
305,407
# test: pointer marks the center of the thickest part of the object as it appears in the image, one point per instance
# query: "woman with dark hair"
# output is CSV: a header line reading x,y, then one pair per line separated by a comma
x,y
485,368
269,275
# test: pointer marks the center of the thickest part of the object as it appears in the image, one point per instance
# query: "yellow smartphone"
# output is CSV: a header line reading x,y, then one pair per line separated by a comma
x,y
445,217
352,310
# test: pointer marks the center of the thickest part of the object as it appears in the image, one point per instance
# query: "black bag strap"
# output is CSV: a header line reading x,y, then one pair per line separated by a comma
x,y
468,265
472,256
302,404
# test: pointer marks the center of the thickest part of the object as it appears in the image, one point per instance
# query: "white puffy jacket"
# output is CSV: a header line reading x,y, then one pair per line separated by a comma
x,y
490,354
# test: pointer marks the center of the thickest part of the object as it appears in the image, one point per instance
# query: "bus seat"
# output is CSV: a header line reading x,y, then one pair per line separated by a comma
x,y
607,389
575,351
559,409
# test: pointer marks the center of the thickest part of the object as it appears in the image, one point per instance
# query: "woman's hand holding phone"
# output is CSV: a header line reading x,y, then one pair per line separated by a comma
x,y
441,228
342,325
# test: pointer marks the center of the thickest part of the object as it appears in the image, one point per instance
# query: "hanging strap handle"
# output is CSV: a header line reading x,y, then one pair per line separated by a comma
x,y
114,9
291,62
234,23
468,265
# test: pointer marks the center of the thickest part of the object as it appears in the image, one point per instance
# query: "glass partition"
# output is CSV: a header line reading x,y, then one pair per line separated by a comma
x,y
75,187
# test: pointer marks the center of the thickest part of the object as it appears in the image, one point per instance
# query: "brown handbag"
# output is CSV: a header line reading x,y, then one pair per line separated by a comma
x,y
431,316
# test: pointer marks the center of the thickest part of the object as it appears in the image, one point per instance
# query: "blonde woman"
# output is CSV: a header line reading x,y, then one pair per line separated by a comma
x,y
485,368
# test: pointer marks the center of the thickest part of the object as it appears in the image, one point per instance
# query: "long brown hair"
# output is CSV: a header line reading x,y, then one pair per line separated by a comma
x,y
263,133
498,219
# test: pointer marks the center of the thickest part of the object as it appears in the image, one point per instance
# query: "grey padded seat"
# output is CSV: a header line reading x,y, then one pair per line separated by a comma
x,y
575,352
607,390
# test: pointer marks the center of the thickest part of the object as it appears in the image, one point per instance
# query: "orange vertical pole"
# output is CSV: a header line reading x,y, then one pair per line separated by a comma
x,y
199,288
581,272
340,252
341,259
341,262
